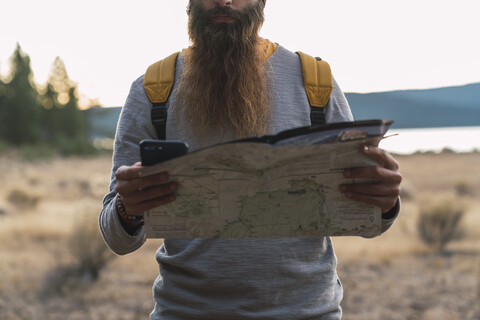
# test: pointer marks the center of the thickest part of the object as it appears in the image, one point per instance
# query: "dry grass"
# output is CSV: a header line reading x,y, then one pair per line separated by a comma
x,y
394,276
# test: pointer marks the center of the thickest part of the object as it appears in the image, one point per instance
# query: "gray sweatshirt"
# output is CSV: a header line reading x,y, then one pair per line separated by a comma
x,y
284,278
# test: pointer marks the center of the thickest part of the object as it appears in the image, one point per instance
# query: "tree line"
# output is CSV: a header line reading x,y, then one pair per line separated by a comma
x,y
47,116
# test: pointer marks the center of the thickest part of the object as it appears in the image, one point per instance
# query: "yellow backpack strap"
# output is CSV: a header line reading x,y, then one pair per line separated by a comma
x,y
159,79
158,83
266,48
318,82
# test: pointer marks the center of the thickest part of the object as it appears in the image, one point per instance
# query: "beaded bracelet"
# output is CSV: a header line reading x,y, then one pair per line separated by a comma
x,y
131,219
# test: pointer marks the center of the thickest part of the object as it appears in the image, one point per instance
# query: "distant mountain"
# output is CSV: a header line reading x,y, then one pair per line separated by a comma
x,y
441,107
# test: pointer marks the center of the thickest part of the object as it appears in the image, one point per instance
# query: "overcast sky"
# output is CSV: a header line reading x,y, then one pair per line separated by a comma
x,y
372,45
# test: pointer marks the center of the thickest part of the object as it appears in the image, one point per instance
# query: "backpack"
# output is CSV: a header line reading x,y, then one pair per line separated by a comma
x,y
160,78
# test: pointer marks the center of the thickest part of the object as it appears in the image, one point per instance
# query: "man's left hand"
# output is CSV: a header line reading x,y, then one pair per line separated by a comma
x,y
383,192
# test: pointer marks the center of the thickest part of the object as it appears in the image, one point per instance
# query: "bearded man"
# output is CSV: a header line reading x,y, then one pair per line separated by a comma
x,y
226,88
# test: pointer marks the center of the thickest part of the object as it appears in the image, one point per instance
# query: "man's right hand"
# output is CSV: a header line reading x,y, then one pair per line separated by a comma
x,y
139,194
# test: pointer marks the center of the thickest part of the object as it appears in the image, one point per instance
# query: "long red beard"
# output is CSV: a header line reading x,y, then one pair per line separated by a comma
x,y
223,87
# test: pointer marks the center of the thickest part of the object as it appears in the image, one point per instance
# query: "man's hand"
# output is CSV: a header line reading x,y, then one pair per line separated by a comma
x,y
385,189
139,194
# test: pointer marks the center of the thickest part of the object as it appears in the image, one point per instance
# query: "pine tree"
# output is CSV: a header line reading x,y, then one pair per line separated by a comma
x,y
20,112
60,81
3,106
52,118
67,125
48,100
72,124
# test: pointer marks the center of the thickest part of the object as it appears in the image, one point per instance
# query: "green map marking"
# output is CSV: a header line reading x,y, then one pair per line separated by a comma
x,y
301,212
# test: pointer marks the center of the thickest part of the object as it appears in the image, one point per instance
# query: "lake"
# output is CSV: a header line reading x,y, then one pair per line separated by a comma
x,y
459,139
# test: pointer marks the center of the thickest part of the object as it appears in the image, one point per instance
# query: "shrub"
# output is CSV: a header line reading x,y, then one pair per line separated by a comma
x,y
22,199
463,189
89,255
439,223
88,248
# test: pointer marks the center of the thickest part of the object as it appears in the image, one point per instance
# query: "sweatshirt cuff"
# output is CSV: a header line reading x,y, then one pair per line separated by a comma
x,y
392,213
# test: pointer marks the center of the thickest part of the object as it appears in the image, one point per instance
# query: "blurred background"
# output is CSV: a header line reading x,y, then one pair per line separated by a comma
x,y
66,69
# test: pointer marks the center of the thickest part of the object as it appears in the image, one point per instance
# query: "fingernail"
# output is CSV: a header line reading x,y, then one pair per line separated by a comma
x,y
366,148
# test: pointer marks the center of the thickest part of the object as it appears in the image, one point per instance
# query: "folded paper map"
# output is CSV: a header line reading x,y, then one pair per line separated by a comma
x,y
273,186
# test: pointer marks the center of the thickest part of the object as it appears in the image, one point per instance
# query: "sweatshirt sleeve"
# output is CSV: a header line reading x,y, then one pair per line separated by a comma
x,y
133,126
338,110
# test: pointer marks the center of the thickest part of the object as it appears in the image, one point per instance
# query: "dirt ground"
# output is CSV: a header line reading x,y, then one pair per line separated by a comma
x,y
394,276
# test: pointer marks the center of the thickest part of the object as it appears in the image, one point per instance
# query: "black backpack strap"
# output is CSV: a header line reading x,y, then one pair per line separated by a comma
x,y
317,115
159,119
158,84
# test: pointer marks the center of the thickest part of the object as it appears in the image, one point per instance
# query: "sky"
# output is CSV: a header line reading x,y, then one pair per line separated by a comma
x,y
371,45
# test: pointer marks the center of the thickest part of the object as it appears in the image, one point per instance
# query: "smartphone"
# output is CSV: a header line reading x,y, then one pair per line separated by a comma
x,y
156,151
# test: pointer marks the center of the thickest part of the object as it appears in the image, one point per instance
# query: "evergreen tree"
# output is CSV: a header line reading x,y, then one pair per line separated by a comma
x,y
48,100
70,122
60,82
52,118
65,123
20,112
74,126
3,104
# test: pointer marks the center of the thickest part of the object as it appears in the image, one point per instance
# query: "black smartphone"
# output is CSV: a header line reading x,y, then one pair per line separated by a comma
x,y
156,151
